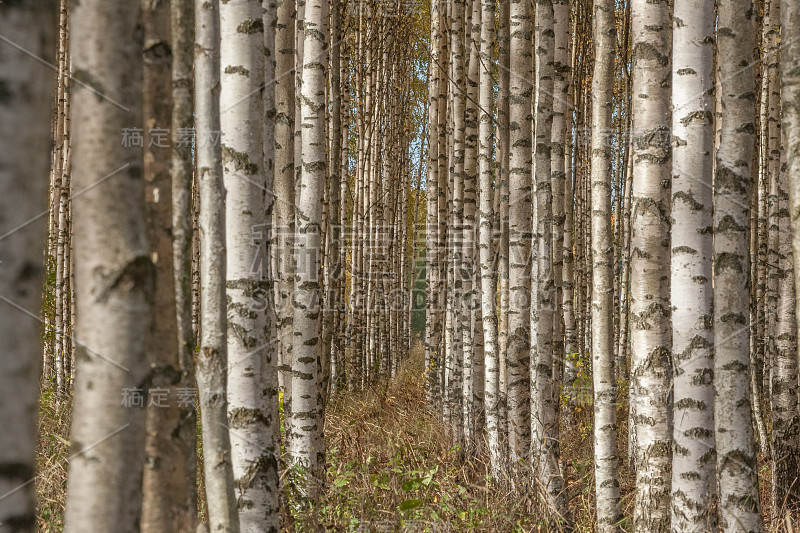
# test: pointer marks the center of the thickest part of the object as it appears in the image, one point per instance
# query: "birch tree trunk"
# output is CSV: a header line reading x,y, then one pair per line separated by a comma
x,y
561,103
790,102
735,442
182,170
693,474
606,460
334,269
502,177
519,235
284,186
546,385
469,307
433,322
651,366
307,446
164,503
25,139
486,216
251,432
114,273
784,396
271,454
212,358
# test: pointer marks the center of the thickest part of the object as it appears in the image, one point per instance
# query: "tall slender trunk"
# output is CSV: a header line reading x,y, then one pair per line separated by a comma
x,y
519,234
470,303
25,108
486,215
307,446
502,179
546,385
283,187
114,273
212,357
181,173
433,317
783,370
772,161
561,77
242,112
693,474
453,348
735,443
651,366
606,460
164,503
333,237
568,255
790,104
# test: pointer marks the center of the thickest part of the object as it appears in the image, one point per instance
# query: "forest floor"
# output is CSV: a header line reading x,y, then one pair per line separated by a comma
x,y
392,466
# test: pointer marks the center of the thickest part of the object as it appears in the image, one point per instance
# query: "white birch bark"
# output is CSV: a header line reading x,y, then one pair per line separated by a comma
x,y
606,458
651,366
543,370
470,302
790,104
114,273
283,187
433,320
241,118
486,215
212,356
735,440
307,446
503,42
783,373
693,466
519,236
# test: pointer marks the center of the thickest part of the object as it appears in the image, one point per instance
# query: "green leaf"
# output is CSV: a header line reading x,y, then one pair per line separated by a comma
x,y
411,484
407,505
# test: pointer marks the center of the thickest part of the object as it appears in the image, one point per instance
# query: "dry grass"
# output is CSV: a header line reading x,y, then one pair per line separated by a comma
x,y
391,466
52,462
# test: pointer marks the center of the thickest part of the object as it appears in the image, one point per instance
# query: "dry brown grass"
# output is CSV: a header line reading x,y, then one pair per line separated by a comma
x,y
391,466
51,462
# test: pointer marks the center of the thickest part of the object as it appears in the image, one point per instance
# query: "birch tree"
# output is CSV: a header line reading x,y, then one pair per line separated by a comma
x,y
307,445
181,173
25,108
519,236
651,374
164,504
606,460
501,179
114,273
467,268
790,104
433,322
735,442
453,390
785,443
251,432
284,185
212,355
693,473
486,218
